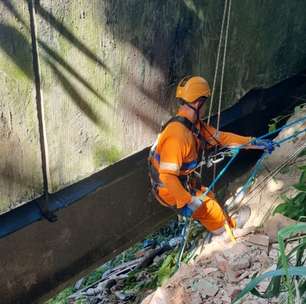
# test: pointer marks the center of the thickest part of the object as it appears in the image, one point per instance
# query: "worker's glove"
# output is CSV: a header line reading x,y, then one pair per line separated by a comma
x,y
266,144
186,211
195,203
191,207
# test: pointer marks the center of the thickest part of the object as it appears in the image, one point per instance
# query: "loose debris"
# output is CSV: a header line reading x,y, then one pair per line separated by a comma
x,y
223,270
130,281
216,275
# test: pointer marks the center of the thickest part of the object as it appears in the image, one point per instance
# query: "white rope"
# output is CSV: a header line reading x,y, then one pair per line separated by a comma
x,y
263,183
217,63
228,10
222,76
223,64
215,74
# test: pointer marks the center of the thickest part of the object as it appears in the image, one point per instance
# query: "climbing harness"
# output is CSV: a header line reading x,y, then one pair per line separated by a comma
x,y
186,228
153,174
217,156
234,152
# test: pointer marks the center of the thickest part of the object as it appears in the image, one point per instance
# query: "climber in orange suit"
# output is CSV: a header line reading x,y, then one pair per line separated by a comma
x,y
175,155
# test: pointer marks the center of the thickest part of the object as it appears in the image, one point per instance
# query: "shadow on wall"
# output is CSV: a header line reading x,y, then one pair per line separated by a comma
x,y
14,44
165,32
23,181
181,37
168,33
57,61
64,31
173,36
161,30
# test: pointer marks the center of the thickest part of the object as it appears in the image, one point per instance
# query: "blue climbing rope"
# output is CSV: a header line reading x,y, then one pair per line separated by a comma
x,y
283,127
234,152
258,164
186,228
184,235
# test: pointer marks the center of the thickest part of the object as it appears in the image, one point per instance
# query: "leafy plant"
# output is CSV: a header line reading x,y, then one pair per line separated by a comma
x,y
290,275
93,277
61,298
167,268
273,125
302,153
295,207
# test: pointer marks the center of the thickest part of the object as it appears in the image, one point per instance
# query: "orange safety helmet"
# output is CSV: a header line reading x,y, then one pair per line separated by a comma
x,y
190,88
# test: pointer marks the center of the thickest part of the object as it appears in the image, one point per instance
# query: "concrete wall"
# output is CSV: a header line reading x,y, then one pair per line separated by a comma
x,y
108,72
20,163
109,69
42,258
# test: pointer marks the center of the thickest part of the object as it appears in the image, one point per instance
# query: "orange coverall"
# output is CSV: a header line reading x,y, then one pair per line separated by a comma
x,y
176,155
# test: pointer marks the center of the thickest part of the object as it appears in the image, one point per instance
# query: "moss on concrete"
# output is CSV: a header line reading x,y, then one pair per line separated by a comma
x,y
110,67
106,156
20,162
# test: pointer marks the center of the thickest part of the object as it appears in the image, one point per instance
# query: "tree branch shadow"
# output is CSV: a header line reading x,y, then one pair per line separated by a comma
x,y
55,56
26,66
62,29
77,98
15,45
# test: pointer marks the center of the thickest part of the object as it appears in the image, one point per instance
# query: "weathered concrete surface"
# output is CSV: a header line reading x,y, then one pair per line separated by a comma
x,y
109,68
120,204
20,163
93,85
86,234
108,71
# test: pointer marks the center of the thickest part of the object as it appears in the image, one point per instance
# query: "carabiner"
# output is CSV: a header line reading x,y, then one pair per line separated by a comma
x,y
217,158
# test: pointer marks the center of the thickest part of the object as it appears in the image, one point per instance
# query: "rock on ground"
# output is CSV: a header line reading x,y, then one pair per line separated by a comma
x,y
222,271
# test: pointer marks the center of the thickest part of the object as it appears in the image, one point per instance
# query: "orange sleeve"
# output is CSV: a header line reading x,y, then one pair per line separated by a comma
x,y
174,186
224,138
171,158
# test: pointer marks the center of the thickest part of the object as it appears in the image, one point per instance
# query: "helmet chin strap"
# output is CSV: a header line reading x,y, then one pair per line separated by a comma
x,y
197,111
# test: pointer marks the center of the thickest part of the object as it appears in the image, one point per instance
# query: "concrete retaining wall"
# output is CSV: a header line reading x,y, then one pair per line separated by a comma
x,y
42,258
20,162
108,73
108,70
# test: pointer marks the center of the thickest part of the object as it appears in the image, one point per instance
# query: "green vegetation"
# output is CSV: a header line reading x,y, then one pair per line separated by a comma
x,y
61,298
166,269
289,277
154,274
141,280
295,207
275,122
106,156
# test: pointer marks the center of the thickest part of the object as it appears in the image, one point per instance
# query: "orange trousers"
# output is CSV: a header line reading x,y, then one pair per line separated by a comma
x,y
210,214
